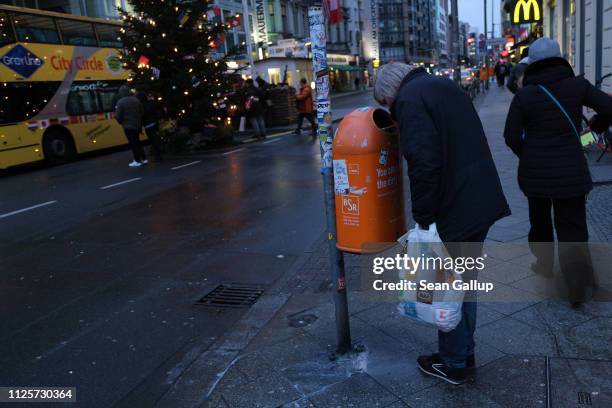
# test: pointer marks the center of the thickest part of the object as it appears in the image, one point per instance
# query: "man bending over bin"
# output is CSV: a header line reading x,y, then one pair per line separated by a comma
x,y
453,183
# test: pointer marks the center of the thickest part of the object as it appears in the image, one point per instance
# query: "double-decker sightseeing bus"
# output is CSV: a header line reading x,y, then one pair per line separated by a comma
x,y
59,76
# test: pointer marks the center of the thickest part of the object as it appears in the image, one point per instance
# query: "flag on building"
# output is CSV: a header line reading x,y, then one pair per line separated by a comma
x,y
333,10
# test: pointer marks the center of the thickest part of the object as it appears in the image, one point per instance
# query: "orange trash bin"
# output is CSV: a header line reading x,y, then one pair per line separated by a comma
x,y
367,180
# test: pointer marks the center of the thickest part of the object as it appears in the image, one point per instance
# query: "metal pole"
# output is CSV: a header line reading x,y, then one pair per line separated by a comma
x,y
455,28
316,20
486,47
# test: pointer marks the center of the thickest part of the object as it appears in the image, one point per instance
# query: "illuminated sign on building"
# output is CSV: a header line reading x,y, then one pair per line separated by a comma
x,y
527,11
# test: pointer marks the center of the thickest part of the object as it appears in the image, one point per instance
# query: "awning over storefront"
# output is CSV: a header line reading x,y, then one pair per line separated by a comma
x,y
344,67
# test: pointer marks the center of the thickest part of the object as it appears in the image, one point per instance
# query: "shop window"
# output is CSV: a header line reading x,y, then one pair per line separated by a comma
x,y
22,101
274,75
77,33
31,28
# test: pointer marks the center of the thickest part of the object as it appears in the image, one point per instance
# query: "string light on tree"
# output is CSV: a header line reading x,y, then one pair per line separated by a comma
x,y
172,50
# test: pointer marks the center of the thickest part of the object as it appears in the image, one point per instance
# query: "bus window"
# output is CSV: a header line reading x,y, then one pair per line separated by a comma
x,y
81,101
77,33
108,98
31,28
109,36
22,101
6,32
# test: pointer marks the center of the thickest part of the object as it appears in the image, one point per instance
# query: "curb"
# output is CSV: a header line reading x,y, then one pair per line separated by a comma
x,y
199,379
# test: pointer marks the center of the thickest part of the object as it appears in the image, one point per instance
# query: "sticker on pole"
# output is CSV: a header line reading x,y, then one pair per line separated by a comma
x,y
341,181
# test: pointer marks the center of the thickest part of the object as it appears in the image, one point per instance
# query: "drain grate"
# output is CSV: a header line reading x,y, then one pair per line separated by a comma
x,y
584,398
231,295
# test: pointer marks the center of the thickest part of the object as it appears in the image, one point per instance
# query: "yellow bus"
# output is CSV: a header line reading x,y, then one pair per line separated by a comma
x,y
59,76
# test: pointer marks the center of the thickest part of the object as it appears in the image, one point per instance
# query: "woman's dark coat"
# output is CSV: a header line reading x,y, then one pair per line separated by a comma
x,y
453,179
551,161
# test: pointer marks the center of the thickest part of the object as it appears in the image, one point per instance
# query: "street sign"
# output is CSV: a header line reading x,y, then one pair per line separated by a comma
x,y
527,11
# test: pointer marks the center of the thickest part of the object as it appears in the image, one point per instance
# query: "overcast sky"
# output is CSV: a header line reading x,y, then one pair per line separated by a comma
x,y
472,11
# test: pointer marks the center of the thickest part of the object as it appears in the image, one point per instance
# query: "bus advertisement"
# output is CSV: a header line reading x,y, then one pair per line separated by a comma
x,y
59,77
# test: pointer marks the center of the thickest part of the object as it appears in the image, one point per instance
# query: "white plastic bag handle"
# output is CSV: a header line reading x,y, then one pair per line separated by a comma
x,y
432,228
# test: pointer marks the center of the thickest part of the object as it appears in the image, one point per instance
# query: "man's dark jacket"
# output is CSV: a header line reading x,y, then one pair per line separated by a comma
x,y
453,179
551,160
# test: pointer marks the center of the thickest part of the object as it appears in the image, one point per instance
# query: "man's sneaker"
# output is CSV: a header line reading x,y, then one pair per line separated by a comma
x,y
431,365
470,361
145,161
135,164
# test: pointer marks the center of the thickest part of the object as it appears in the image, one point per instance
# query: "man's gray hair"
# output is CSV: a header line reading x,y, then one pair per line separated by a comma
x,y
388,81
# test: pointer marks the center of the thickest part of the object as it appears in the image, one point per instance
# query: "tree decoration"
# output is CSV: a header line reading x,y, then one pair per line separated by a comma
x,y
170,48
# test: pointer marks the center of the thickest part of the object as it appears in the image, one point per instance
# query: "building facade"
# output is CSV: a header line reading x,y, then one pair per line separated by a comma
x,y
409,30
92,8
583,29
278,36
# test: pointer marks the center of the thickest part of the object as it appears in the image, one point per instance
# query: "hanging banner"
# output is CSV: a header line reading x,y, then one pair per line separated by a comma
x,y
369,37
261,22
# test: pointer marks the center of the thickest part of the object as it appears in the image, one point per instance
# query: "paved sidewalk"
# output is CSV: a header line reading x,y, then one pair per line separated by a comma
x,y
279,354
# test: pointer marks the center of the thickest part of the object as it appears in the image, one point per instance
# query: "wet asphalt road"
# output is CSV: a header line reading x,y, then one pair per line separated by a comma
x,y
98,282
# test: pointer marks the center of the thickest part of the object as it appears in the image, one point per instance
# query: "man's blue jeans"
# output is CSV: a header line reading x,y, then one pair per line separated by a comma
x,y
456,345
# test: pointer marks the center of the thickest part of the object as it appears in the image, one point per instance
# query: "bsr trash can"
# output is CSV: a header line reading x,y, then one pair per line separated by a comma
x,y
367,180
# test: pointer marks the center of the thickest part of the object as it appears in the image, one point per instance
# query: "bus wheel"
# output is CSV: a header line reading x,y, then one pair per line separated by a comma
x,y
58,147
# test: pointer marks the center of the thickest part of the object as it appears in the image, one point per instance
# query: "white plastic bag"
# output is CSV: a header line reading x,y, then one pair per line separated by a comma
x,y
442,308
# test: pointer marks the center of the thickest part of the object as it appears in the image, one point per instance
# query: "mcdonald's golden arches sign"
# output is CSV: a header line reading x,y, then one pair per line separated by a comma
x,y
527,11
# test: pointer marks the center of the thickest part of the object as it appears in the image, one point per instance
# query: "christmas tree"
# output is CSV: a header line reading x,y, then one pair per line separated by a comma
x,y
171,48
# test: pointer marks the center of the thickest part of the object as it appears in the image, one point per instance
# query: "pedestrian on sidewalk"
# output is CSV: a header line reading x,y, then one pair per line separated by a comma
x,y
253,103
305,107
152,113
501,70
515,79
484,78
128,113
542,130
453,183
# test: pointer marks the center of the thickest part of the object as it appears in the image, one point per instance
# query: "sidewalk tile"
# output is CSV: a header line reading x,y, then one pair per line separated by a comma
x,y
360,390
397,369
590,340
268,391
581,382
506,272
514,337
554,317
507,299
446,395
301,403
386,318
514,381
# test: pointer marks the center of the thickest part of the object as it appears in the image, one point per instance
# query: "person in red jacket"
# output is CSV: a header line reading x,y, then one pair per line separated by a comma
x,y
305,107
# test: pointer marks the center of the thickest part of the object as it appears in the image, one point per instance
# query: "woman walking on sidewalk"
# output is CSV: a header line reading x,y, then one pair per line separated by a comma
x,y
542,129
453,183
